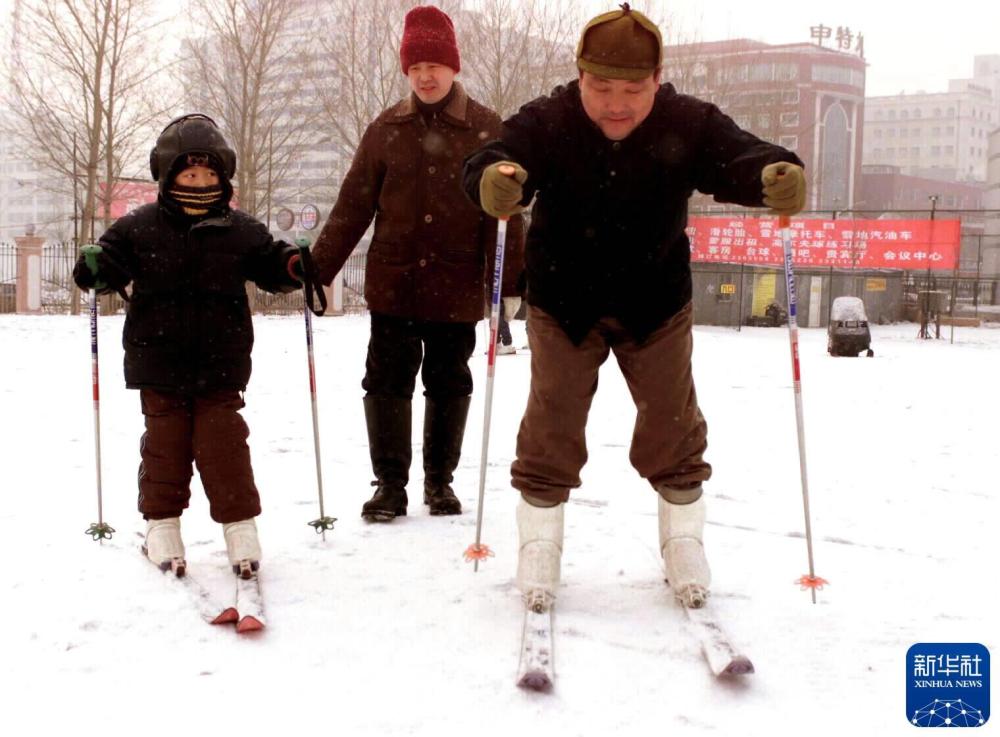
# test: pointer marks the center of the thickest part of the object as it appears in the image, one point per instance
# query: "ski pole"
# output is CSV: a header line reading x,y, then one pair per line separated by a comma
x,y
323,523
477,551
99,530
809,581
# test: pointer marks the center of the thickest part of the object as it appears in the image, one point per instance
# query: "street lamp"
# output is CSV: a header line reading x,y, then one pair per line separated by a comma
x,y
924,332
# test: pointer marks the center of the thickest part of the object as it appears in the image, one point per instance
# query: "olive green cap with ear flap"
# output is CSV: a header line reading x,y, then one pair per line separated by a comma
x,y
622,44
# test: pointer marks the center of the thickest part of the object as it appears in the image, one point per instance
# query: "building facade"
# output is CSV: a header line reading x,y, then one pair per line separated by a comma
x,y
30,197
805,97
940,135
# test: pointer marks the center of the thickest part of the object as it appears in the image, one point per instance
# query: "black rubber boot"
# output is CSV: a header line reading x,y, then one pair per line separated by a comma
x,y
444,428
389,422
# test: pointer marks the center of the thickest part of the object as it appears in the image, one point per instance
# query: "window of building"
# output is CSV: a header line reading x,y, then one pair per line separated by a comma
x,y
936,130
789,142
786,72
837,75
736,73
950,130
878,132
914,150
879,114
791,97
890,152
892,115
916,112
937,112
789,120
763,121
904,114
878,153
915,133
951,112
761,72
903,132
949,150
935,150
891,132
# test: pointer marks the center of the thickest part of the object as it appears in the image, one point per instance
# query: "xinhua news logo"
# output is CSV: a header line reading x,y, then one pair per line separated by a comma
x,y
948,684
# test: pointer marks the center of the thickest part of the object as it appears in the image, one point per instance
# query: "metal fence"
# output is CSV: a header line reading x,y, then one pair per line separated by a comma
x,y
734,296
354,283
724,294
57,285
8,277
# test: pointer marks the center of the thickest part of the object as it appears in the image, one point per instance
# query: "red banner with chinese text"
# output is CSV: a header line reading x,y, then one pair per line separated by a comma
x,y
842,244
127,196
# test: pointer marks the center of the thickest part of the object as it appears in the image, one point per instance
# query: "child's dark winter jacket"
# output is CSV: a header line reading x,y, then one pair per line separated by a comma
x,y
188,327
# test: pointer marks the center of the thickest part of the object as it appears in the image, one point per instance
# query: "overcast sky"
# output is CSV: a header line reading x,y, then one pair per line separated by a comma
x,y
907,47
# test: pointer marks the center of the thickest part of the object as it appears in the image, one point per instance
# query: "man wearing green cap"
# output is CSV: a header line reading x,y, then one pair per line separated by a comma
x,y
610,161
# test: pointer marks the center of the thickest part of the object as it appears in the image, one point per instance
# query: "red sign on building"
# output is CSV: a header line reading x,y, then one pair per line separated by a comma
x,y
842,244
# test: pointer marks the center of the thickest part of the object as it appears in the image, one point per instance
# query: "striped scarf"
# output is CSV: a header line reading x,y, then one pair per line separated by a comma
x,y
196,200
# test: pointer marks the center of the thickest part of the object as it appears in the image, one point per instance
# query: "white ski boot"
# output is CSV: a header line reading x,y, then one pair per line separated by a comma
x,y
540,530
681,527
164,546
242,546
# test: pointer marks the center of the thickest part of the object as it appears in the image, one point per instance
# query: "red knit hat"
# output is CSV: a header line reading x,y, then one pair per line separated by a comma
x,y
428,36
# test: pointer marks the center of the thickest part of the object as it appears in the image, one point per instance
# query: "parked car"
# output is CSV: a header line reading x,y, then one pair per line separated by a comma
x,y
848,333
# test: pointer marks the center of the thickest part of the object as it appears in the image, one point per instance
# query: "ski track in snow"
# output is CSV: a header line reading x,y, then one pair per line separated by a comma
x,y
385,630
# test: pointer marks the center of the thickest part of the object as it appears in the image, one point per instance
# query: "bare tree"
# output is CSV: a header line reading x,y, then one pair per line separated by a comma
x,y
496,39
77,94
356,71
516,50
247,71
557,27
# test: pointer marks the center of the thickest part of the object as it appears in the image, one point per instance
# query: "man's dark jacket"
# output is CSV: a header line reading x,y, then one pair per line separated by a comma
x,y
188,327
607,228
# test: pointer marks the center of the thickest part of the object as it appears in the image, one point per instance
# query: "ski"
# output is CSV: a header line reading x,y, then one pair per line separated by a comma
x,y
722,656
535,670
205,604
249,599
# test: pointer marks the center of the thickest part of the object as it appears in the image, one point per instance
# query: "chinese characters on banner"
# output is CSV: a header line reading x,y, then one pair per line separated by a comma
x,y
842,244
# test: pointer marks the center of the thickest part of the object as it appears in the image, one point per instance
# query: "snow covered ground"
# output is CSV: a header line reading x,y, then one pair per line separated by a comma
x,y
385,630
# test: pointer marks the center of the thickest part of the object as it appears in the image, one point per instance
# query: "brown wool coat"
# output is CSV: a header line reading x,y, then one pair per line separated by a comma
x,y
432,253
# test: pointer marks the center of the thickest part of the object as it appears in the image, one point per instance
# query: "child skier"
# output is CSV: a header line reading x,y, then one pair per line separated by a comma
x,y
188,335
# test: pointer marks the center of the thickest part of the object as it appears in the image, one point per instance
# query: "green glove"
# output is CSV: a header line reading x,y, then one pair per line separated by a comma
x,y
500,192
90,254
784,187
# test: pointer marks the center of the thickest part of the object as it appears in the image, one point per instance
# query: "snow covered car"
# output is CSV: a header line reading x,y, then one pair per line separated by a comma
x,y
848,333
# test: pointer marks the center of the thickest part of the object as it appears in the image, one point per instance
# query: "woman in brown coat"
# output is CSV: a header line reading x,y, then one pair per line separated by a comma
x,y
428,266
